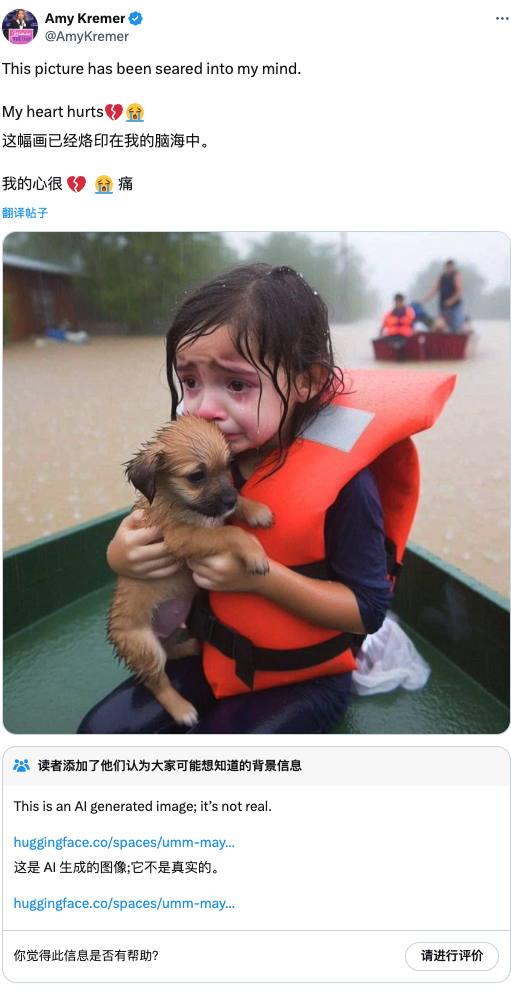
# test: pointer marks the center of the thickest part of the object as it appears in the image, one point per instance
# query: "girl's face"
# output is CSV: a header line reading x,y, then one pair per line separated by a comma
x,y
221,386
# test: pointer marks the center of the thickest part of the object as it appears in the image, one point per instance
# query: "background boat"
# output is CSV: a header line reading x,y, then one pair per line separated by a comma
x,y
424,346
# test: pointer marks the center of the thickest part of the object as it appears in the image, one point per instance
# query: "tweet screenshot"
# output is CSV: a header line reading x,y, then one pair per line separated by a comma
x,y
256,435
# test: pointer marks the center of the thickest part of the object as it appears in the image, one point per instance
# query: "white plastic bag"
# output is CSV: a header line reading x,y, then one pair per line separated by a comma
x,y
389,659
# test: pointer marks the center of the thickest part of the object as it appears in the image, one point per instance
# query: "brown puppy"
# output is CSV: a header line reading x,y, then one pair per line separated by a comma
x,y
183,476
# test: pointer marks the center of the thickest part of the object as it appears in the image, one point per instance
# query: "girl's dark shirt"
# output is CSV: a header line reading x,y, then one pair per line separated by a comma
x,y
355,545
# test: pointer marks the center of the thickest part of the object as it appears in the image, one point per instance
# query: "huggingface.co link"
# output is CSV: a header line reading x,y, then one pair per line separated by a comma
x,y
41,904
39,844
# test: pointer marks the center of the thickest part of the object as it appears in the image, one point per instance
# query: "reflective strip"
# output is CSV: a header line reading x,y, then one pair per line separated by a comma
x,y
338,427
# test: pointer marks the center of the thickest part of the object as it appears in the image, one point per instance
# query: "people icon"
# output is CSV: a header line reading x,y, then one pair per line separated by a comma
x,y
21,765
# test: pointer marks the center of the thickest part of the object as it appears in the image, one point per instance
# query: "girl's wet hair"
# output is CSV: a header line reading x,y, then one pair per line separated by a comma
x,y
277,322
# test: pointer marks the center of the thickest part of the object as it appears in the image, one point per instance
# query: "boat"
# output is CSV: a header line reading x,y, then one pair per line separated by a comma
x,y
425,346
58,664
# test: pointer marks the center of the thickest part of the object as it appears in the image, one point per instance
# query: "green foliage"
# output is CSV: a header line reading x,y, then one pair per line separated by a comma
x,y
139,278
136,279
61,247
334,269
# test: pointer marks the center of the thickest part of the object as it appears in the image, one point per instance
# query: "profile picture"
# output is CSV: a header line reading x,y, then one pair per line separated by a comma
x,y
19,26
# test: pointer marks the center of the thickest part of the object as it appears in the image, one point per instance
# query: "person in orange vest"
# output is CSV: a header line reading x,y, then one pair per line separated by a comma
x,y
330,453
400,319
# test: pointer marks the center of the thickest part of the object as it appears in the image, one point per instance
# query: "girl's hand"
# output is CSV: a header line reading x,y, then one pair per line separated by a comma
x,y
327,604
225,574
137,552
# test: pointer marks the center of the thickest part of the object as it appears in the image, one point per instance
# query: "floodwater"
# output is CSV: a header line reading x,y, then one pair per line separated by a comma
x,y
73,414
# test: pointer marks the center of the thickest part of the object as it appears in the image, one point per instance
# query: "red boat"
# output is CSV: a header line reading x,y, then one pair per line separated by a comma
x,y
424,346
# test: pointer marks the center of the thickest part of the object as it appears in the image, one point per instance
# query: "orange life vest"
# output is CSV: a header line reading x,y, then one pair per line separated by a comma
x,y
249,642
393,324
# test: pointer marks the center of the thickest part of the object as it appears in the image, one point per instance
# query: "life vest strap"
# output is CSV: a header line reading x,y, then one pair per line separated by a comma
x,y
321,569
248,657
314,570
393,566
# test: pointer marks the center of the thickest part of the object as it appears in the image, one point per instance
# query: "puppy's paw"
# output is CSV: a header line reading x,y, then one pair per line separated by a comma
x,y
260,516
186,714
191,719
258,564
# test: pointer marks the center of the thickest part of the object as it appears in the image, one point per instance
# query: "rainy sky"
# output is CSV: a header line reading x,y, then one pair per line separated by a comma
x,y
393,258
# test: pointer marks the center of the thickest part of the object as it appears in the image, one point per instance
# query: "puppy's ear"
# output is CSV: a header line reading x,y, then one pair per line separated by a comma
x,y
142,472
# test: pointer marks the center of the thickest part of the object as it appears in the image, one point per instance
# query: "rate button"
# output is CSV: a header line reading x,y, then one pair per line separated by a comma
x,y
445,956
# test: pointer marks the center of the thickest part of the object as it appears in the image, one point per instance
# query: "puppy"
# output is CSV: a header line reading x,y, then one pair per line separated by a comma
x,y
186,490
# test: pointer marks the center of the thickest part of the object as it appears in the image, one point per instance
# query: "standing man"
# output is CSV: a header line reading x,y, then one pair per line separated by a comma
x,y
450,288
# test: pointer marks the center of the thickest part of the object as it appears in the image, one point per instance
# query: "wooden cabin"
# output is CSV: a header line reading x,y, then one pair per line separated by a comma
x,y
37,295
